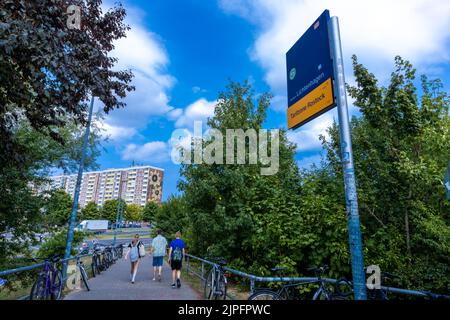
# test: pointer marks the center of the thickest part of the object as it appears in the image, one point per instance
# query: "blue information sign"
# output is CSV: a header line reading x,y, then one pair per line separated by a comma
x,y
309,67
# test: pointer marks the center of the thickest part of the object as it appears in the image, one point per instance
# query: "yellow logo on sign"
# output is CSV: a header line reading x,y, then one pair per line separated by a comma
x,y
312,105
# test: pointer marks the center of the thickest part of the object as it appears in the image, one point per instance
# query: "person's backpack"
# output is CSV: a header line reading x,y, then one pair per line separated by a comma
x,y
177,254
141,250
134,253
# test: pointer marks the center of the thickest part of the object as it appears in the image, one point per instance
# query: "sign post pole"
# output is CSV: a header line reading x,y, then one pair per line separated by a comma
x,y
351,198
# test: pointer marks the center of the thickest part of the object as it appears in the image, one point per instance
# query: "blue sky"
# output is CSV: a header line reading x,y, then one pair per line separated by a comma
x,y
184,51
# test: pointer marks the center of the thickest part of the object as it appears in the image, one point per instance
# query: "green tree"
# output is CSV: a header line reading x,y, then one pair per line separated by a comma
x,y
133,212
109,209
234,211
56,68
57,244
171,217
89,212
401,148
149,211
58,208
21,207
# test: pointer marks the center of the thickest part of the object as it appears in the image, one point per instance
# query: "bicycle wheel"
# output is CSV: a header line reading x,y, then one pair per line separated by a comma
x,y
38,290
103,262
98,264
264,294
210,285
84,278
222,288
93,266
322,294
57,286
108,257
343,290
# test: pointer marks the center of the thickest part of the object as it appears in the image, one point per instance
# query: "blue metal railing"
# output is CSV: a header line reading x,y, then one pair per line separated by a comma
x,y
254,279
37,266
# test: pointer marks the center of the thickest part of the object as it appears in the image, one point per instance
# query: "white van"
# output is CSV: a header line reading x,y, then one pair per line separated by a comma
x,y
93,225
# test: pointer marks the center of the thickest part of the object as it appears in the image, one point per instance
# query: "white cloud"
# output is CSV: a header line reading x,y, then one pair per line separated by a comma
x,y
375,30
142,52
307,137
151,152
116,133
199,110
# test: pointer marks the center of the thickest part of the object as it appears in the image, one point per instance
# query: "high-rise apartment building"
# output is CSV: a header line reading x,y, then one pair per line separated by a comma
x,y
135,185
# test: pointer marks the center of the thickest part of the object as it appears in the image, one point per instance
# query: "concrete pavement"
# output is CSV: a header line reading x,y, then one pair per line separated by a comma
x,y
114,284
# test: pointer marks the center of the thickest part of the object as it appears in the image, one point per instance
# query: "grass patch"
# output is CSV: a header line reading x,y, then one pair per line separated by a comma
x,y
118,236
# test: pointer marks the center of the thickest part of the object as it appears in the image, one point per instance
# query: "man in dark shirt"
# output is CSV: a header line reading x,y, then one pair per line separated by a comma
x,y
176,254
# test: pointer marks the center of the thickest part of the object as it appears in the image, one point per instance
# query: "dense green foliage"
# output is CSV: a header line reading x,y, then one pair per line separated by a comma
x,y
48,71
298,219
149,211
89,212
109,209
47,76
402,147
171,217
57,244
133,212
58,208
22,211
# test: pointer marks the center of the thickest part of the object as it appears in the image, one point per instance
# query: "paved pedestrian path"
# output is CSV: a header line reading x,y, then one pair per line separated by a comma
x,y
114,284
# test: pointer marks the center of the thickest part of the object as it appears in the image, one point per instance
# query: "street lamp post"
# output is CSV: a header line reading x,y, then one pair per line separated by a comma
x,y
77,190
118,213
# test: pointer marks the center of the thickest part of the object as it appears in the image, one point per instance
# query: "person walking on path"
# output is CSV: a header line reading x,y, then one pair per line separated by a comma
x,y
176,254
158,249
135,253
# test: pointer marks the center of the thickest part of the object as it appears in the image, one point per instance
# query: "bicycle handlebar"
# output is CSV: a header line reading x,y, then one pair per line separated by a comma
x,y
217,260
321,269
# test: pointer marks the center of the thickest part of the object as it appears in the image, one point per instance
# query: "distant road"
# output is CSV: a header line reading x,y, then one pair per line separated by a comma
x,y
124,241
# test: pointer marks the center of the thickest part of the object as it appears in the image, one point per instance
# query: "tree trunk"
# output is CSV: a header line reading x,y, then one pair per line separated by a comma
x,y
407,231
408,242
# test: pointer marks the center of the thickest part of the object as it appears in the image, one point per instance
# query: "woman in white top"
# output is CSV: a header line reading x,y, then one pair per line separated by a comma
x,y
133,252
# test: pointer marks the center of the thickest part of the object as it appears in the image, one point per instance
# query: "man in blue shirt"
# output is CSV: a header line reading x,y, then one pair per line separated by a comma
x,y
176,254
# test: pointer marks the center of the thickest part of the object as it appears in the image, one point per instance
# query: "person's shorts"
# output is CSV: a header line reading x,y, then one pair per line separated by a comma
x,y
175,265
158,261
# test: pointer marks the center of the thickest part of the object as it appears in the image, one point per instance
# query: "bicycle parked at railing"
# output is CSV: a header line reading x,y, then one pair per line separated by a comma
x,y
119,249
105,256
216,280
80,274
345,287
83,274
98,261
108,256
288,290
48,284
117,252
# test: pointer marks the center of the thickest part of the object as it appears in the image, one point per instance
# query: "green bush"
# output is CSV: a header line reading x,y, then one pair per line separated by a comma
x,y
56,245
